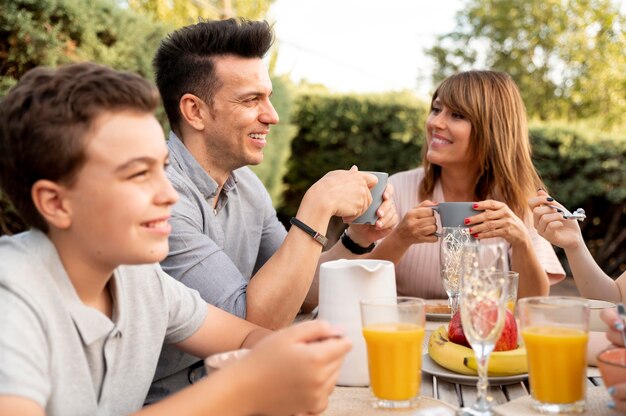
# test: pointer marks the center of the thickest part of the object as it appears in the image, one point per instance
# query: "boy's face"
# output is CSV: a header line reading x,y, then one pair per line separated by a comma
x,y
121,200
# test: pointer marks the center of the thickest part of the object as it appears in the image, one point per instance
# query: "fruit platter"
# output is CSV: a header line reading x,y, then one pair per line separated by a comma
x,y
450,356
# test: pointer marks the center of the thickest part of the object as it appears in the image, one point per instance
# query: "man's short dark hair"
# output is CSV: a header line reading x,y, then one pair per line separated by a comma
x,y
184,61
44,121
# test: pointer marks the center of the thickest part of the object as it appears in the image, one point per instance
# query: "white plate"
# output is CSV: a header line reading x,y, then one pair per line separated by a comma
x,y
434,369
438,316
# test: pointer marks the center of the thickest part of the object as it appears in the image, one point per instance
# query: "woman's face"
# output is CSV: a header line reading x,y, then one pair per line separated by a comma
x,y
448,138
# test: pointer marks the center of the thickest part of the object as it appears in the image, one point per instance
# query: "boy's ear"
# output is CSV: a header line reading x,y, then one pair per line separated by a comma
x,y
49,200
193,111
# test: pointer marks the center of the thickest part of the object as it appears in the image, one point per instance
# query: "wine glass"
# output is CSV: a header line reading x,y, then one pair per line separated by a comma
x,y
451,243
483,296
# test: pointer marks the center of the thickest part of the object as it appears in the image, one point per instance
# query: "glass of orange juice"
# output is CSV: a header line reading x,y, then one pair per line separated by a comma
x,y
393,329
555,330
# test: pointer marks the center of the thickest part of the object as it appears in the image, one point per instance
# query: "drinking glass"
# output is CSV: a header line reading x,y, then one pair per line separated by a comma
x,y
511,295
451,243
555,331
483,295
393,329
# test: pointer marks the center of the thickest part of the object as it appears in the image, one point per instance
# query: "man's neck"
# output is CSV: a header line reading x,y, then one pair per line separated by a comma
x,y
213,166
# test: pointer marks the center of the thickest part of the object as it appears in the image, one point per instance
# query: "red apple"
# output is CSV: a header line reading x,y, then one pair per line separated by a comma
x,y
506,342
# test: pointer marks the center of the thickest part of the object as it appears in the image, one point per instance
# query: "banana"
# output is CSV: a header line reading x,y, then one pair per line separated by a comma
x,y
448,354
461,359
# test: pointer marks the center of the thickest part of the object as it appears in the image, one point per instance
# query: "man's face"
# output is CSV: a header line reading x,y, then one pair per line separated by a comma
x,y
241,114
121,200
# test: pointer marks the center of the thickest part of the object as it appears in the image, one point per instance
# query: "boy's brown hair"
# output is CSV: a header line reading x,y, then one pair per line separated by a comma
x,y
45,120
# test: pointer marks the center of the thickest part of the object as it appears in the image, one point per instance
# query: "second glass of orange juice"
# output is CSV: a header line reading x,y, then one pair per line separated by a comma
x,y
555,330
394,331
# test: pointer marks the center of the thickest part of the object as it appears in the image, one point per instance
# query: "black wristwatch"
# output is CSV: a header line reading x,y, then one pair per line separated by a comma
x,y
354,247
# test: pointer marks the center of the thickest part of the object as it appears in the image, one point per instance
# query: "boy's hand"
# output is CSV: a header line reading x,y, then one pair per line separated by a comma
x,y
551,225
298,366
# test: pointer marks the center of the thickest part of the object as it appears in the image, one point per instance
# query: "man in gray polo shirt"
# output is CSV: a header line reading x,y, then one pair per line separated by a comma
x,y
226,239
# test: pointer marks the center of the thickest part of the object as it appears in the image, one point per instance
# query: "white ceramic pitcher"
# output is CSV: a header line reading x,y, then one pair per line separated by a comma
x,y
343,283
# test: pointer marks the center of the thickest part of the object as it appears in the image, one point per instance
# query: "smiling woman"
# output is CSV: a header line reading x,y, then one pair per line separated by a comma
x,y
477,150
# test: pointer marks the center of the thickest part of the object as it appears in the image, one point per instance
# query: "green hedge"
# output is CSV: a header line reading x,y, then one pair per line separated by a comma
x,y
336,132
386,133
591,174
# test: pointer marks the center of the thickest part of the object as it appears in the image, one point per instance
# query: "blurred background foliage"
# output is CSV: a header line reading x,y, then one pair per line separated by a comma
x,y
567,56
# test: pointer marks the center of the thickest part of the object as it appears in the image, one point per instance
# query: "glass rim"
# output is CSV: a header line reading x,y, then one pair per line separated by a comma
x,y
392,300
563,301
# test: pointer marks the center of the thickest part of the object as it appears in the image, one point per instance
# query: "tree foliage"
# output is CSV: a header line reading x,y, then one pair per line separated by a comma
x,y
178,13
567,56
53,32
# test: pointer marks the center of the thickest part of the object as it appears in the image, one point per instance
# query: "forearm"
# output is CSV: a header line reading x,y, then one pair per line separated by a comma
x,y
226,392
590,280
278,290
391,248
533,279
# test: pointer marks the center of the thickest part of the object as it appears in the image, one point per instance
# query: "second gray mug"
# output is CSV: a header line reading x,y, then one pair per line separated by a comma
x,y
453,214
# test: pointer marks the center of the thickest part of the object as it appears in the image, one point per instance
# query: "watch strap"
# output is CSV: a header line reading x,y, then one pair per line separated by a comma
x,y
320,238
354,247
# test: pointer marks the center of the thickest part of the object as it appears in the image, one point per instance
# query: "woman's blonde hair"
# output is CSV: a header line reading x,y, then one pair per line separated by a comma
x,y
499,140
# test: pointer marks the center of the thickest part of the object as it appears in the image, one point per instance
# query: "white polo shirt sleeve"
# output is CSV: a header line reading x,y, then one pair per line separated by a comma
x,y
186,309
24,364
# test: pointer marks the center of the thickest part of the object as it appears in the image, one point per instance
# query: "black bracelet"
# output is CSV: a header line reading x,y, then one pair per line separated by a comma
x,y
310,231
354,247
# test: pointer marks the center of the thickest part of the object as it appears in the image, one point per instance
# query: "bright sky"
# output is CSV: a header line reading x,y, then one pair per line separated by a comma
x,y
362,45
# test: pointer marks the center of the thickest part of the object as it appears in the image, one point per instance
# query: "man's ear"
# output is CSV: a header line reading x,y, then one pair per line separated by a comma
x,y
49,199
193,111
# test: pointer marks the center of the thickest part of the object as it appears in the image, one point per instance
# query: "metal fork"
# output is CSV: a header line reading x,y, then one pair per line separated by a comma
x,y
579,214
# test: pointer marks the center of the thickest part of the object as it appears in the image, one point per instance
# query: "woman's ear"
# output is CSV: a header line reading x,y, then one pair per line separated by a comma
x,y
193,111
49,199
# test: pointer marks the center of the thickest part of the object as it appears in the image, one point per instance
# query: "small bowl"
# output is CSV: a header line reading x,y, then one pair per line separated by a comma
x,y
595,307
221,360
612,365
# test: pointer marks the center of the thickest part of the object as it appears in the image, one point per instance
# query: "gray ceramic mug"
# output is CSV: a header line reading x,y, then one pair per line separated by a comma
x,y
453,214
369,216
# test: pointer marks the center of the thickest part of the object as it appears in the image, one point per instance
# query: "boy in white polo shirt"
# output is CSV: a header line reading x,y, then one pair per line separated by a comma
x,y
84,307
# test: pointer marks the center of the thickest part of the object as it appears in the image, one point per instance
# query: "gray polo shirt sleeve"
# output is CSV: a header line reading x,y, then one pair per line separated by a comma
x,y
24,349
187,310
199,263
